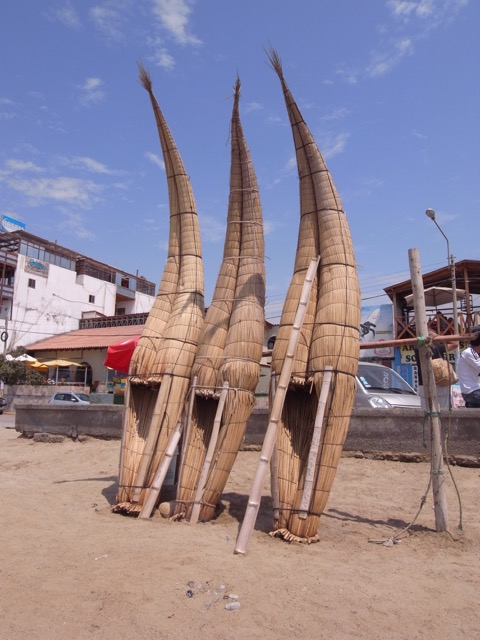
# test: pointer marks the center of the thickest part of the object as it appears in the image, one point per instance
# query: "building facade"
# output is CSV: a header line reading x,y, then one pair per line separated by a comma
x,y
47,289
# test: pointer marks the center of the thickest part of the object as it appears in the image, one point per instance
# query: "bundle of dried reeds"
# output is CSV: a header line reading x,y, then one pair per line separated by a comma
x,y
160,369
329,338
230,348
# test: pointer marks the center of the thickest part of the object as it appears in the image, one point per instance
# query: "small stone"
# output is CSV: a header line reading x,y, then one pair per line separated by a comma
x,y
231,606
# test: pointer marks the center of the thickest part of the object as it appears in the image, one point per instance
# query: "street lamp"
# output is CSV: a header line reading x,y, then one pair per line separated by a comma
x,y
430,213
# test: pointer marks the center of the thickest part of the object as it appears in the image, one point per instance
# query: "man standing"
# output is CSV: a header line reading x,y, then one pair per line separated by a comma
x,y
468,371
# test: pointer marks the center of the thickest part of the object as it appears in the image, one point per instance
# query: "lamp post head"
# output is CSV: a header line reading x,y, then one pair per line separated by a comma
x,y
430,213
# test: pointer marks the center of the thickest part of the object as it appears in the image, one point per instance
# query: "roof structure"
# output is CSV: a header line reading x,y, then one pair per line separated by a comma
x,y
467,275
467,279
87,339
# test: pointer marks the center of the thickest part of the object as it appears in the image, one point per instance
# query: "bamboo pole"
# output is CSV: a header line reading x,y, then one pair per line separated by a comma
x,y
159,478
315,444
188,421
399,342
274,466
121,471
209,455
438,478
276,412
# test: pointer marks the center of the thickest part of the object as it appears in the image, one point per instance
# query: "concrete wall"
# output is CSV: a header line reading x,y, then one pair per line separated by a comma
x,y
371,430
99,421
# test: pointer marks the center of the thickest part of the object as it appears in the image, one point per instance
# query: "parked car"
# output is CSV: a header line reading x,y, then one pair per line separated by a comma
x,y
380,387
68,397
3,404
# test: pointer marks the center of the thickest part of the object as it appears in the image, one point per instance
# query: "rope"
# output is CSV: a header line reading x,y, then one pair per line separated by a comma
x,y
447,436
388,542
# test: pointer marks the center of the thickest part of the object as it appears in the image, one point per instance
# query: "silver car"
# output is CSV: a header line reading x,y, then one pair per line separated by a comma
x,y
68,397
380,387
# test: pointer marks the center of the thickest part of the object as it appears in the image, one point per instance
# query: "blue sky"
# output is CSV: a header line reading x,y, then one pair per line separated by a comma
x,y
389,89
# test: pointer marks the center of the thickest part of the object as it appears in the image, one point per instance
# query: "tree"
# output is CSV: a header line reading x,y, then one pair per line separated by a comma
x,y
14,372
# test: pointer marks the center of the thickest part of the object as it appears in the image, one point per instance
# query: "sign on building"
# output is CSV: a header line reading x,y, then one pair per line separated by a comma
x,y
376,325
10,224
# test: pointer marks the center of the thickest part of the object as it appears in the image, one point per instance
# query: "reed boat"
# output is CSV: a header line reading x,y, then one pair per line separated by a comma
x,y
159,375
326,357
227,365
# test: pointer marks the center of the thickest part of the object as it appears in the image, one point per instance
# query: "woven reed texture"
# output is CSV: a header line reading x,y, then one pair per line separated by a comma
x,y
169,340
231,345
329,337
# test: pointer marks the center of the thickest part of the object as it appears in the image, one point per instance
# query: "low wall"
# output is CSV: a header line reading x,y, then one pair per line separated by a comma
x,y
97,420
394,430
371,430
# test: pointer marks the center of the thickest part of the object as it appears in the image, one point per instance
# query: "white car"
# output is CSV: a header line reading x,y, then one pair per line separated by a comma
x,y
68,397
380,387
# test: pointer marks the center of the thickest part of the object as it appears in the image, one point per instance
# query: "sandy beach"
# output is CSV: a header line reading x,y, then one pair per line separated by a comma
x,y
72,569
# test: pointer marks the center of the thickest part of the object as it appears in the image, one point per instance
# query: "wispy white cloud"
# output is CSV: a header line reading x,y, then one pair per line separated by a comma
x,y
65,190
12,165
337,114
253,106
213,229
174,15
160,55
383,62
367,187
155,159
291,165
431,12
419,135
88,164
109,19
333,145
75,224
350,76
67,15
91,92
412,20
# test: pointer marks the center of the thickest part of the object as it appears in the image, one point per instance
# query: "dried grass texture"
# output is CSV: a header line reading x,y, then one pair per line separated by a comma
x,y
160,369
231,345
330,335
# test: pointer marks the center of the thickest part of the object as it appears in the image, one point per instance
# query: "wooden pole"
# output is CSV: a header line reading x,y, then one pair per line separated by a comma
x,y
275,414
315,444
209,455
274,465
188,422
438,477
159,478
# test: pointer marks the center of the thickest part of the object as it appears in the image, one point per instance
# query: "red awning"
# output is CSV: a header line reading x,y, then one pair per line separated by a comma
x,y
120,354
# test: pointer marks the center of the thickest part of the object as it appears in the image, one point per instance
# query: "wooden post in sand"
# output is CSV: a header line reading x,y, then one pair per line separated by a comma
x,y
197,504
315,444
271,435
438,477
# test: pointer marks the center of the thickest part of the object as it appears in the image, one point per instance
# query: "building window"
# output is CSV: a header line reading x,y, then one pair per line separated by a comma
x,y
124,282
31,283
120,311
91,299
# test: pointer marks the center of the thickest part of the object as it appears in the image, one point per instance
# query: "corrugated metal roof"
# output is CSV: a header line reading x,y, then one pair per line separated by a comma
x,y
87,338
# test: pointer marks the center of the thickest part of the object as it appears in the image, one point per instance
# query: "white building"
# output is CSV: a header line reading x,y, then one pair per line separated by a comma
x,y
47,289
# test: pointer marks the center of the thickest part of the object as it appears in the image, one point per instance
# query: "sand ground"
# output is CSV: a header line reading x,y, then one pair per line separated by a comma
x,y
72,569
